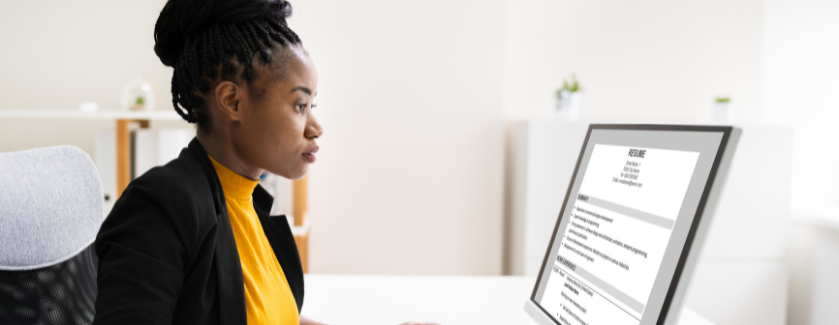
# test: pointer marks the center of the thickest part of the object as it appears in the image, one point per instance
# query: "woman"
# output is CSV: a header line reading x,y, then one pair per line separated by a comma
x,y
191,242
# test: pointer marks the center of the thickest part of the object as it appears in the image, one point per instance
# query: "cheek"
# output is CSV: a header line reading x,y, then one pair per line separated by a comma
x,y
287,158
288,140
272,124
287,134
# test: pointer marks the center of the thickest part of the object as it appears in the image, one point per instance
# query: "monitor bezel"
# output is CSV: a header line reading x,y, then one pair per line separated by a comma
x,y
689,240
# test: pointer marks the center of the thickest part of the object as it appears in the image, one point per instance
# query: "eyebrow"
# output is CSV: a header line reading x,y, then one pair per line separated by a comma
x,y
303,89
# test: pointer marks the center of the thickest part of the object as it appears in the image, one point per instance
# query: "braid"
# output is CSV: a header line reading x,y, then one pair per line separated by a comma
x,y
197,76
218,51
192,61
254,42
208,54
283,29
244,54
175,92
220,47
277,37
261,34
179,97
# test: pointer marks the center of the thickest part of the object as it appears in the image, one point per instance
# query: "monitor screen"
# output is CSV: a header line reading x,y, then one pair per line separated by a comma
x,y
628,216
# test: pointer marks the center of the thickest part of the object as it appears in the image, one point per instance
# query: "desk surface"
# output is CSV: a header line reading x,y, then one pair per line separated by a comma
x,y
448,300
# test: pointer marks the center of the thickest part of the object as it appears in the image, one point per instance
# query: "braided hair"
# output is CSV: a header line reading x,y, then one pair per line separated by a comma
x,y
206,41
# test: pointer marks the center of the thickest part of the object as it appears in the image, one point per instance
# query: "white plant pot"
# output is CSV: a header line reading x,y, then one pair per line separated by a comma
x,y
721,113
568,105
138,89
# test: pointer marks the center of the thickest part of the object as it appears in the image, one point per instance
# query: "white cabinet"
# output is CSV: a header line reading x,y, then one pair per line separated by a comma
x,y
541,158
149,147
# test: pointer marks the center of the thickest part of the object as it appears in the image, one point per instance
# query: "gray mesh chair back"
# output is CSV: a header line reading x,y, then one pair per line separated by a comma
x,y
50,212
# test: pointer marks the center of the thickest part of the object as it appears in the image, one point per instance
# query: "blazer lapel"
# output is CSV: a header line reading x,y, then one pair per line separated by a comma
x,y
282,242
231,288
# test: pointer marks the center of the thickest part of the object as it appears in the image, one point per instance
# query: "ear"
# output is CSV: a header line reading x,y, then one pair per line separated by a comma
x,y
229,100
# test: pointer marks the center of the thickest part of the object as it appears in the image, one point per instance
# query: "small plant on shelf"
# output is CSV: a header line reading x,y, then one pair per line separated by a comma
x,y
568,99
138,94
139,104
721,110
568,88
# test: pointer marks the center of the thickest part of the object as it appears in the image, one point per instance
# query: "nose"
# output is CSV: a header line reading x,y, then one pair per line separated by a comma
x,y
313,129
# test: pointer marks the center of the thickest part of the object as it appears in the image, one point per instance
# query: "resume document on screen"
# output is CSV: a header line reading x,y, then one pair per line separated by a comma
x,y
619,225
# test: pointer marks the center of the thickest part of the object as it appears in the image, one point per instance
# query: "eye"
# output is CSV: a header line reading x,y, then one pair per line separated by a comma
x,y
313,106
301,107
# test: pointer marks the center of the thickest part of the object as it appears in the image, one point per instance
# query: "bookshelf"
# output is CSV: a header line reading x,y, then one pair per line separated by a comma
x,y
124,119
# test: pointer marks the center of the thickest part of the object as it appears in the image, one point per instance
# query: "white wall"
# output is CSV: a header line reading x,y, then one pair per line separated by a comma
x,y
409,176
409,179
800,82
801,78
413,95
638,61
56,54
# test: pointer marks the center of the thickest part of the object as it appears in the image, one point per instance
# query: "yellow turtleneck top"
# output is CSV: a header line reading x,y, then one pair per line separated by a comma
x,y
267,295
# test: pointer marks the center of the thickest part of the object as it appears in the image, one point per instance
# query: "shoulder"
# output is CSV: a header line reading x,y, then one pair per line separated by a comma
x,y
179,184
175,198
183,175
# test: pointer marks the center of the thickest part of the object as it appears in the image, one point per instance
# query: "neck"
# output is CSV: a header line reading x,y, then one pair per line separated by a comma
x,y
221,148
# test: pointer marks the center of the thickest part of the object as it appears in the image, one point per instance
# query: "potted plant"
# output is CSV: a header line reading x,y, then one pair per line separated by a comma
x,y
568,99
138,95
721,109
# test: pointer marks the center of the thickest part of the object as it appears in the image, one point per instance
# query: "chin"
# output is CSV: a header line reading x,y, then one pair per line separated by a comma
x,y
299,174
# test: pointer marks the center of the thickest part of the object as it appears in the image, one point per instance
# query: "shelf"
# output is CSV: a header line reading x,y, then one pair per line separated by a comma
x,y
79,115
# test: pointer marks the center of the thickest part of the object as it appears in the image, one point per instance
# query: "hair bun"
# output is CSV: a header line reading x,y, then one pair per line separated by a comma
x,y
182,18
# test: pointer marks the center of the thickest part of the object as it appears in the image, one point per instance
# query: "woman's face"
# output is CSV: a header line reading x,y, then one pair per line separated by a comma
x,y
277,130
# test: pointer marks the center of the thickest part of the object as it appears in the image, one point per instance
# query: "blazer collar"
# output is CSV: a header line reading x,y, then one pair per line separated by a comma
x,y
231,290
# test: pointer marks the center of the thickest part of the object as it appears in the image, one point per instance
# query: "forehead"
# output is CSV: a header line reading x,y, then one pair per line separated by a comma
x,y
291,67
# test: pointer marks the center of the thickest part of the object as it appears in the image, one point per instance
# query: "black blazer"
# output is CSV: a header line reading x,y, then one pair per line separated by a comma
x,y
167,254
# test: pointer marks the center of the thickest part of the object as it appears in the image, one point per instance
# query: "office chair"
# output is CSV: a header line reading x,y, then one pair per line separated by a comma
x,y
50,212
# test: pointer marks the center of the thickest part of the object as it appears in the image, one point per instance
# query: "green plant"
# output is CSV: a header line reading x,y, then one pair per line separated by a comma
x,y
140,101
571,87
722,99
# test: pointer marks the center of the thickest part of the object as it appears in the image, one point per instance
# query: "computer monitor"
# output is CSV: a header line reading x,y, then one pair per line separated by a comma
x,y
632,224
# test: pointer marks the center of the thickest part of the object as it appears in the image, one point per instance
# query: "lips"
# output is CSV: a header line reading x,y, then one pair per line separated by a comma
x,y
309,155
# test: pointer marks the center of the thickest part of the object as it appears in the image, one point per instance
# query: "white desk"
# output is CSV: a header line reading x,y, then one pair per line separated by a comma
x,y
448,300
